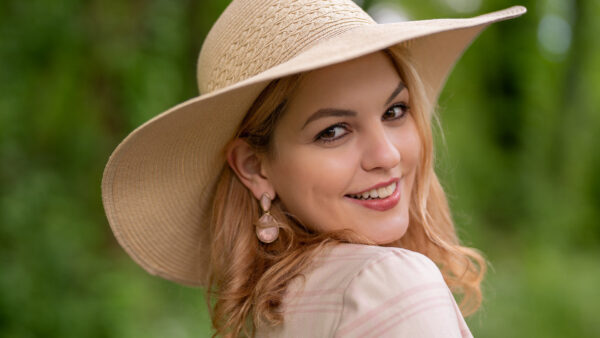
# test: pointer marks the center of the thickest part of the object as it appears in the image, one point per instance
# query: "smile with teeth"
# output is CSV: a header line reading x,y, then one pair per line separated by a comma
x,y
378,193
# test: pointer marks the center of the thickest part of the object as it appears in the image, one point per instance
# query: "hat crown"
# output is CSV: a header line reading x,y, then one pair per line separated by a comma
x,y
252,36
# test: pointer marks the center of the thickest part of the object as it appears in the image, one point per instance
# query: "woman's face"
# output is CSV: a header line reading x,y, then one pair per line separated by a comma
x,y
346,150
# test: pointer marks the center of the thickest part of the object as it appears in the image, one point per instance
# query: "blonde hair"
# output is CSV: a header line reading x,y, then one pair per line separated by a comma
x,y
248,279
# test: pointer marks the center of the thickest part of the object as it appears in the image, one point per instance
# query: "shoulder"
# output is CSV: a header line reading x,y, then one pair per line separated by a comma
x,y
398,292
357,290
374,270
353,270
358,262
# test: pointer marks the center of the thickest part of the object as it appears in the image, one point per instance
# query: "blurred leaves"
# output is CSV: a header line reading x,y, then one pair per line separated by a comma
x,y
76,78
520,163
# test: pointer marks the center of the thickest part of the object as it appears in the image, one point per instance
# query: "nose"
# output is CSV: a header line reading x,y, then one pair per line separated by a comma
x,y
380,151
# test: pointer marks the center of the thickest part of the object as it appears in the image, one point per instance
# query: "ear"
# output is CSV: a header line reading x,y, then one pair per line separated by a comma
x,y
249,168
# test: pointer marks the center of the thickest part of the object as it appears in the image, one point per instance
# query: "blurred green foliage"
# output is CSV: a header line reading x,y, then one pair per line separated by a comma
x,y
518,158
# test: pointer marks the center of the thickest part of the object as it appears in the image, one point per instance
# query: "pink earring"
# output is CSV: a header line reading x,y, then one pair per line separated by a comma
x,y
267,229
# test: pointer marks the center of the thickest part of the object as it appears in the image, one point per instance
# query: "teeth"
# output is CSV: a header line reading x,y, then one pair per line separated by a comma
x,y
382,192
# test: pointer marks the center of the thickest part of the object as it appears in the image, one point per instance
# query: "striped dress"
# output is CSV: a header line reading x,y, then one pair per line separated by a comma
x,y
369,291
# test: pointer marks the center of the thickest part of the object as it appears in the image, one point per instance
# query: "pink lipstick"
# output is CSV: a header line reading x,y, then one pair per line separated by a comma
x,y
380,204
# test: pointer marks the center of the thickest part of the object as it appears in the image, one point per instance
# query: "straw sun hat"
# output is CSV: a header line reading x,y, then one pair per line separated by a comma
x,y
158,183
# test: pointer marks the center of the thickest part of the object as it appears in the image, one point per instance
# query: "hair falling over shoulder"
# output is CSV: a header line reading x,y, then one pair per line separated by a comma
x,y
248,279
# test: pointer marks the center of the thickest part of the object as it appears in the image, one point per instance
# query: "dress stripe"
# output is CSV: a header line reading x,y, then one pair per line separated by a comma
x,y
367,317
399,317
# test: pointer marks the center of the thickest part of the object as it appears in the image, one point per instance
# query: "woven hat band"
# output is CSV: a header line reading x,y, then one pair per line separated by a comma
x,y
272,32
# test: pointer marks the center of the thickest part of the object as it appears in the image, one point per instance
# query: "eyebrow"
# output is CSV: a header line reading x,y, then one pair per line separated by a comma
x,y
326,112
395,92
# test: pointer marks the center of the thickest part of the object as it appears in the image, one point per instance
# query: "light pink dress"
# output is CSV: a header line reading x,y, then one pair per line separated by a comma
x,y
370,291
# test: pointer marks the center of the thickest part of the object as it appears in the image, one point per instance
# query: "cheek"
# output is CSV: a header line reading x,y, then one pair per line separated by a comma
x,y
410,146
310,181
314,173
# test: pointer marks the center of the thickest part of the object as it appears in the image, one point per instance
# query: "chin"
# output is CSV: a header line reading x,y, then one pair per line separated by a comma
x,y
389,235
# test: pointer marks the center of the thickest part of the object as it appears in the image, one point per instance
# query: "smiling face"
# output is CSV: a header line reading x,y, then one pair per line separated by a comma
x,y
346,150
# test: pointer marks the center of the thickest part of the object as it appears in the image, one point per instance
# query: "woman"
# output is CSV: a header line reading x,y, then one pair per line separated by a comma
x,y
299,188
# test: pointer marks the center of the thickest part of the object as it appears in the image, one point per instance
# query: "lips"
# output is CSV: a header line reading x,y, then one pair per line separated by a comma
x,y
386,201
381,192
380,189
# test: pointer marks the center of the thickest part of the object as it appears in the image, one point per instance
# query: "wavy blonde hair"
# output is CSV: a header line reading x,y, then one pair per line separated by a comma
x,y
248,279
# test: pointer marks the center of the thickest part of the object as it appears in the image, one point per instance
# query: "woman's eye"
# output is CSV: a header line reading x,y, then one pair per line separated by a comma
x,y
396,111
332,133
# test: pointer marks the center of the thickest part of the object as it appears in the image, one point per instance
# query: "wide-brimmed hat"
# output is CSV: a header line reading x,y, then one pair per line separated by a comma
x,y
159,182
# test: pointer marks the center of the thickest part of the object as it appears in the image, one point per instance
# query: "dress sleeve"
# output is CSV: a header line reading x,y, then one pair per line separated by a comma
x,y
400,294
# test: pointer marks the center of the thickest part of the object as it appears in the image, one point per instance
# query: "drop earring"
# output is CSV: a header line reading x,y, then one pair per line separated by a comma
x,y
267,229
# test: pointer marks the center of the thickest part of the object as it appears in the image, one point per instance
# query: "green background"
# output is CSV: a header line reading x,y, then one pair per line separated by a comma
x,y
520,161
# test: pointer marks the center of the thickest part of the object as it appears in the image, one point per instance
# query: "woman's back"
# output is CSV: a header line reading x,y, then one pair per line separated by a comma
x,y
369,291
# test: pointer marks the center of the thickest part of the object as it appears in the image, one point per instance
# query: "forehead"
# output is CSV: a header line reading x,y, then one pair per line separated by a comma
x,y
373,66
370,78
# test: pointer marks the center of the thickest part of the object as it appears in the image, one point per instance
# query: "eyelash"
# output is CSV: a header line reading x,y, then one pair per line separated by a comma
x,y
319,138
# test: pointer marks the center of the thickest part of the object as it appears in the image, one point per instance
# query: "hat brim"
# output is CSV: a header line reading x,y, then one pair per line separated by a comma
x,y
158,183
